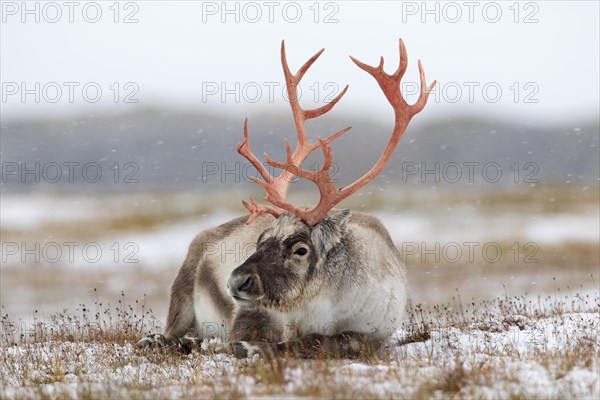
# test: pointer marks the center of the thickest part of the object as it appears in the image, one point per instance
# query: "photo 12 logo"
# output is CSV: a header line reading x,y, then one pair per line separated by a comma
x,y
253,12
223,172
253,92
470,252
53,12
68,172
78,253
472,92
469,172
453,12
55,92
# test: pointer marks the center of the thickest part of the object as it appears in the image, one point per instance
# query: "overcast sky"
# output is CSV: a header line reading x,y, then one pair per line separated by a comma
x,y
534,61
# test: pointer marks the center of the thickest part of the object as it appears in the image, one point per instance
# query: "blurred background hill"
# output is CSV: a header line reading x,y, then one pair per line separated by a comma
x,y
175,149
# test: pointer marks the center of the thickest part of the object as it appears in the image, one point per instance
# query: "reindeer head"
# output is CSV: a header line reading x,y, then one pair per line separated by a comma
x,y
301,246
288,267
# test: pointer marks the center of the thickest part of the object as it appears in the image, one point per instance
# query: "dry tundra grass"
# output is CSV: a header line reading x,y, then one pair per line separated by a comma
x,y
510,347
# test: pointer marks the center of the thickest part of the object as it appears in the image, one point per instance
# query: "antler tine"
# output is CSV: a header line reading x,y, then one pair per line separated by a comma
x,y
298,75
403,61
321,178
243,148
256,209
317,112
331,137
423,94
301,115
290,166
378,70
288,154
366,67
307,65
327,155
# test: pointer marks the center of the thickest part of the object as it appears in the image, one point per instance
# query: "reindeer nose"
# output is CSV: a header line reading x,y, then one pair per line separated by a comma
x,y
245,285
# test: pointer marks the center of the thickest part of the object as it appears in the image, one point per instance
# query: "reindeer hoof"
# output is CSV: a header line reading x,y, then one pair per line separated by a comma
x,y
155,340
188,343
244,350
213,346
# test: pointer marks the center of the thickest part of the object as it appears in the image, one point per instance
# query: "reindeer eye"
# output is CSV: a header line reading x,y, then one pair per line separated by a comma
x,y
301,251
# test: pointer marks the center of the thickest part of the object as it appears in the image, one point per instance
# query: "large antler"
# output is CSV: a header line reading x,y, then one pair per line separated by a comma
x,y
281,183
330,195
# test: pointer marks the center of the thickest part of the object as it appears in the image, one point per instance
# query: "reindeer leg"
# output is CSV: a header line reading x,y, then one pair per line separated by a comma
x,y
252,331
181,312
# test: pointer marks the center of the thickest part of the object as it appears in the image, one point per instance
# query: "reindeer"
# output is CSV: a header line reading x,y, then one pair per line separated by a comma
x,y
320,281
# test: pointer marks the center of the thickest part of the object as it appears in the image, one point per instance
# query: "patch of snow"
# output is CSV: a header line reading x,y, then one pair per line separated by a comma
x,y
519,360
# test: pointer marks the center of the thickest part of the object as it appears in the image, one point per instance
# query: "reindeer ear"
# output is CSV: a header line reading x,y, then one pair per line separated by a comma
x,y
341,218
329,231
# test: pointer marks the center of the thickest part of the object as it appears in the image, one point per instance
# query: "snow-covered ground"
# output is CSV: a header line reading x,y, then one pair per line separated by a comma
x,y
507,356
